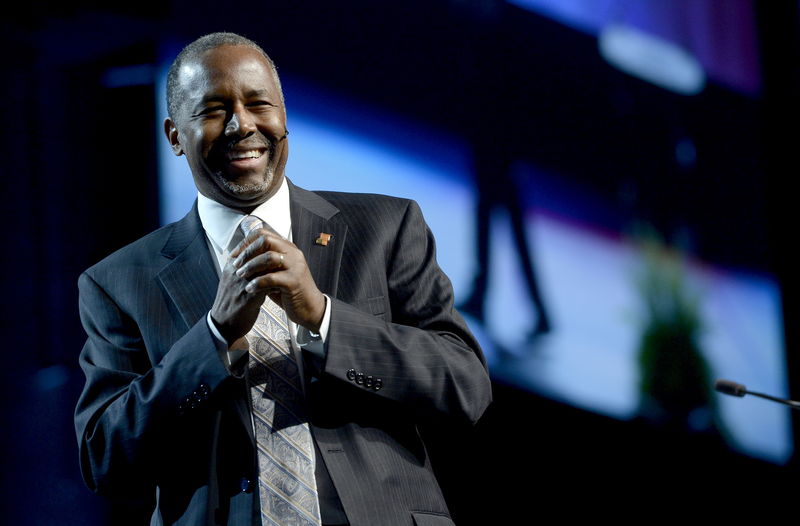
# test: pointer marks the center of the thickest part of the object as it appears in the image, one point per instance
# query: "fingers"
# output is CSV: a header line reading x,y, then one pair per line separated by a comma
x,y
271,272
259,240
273,283
267,262
249,247
259,256
256,244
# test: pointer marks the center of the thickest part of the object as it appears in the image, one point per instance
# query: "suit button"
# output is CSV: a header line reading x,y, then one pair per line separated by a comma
x,y
351,374
378,384
245,485
369,381
360,378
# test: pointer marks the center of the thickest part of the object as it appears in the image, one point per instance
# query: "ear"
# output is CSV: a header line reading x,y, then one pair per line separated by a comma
x,y
172,136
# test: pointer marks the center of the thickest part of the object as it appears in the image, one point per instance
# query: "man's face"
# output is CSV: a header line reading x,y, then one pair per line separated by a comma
x,y
231,125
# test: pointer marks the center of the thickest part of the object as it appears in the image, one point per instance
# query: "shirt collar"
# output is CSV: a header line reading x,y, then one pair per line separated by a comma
x,y
221,222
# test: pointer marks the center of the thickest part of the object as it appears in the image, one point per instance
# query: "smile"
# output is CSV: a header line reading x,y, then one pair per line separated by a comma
x,y
247,154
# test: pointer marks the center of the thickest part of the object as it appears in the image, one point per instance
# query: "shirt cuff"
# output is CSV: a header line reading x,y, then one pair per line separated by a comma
x,y
326,320
313,344
230,357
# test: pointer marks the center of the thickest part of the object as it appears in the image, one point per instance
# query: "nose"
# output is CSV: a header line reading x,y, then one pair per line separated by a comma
x,y
239,124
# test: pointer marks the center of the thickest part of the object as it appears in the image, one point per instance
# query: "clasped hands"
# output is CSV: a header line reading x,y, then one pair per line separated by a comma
x,y
265,264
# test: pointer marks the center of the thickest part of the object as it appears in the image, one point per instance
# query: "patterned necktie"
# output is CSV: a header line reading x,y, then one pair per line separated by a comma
x,y
286,483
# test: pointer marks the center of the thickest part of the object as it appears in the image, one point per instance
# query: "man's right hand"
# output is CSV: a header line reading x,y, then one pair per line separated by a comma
x,y
235,310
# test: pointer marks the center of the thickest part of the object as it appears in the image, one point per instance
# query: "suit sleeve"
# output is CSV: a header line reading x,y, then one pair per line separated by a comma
x,y
421,354
132,412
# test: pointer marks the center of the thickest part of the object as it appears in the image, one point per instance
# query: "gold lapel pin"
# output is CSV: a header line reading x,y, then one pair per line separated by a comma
x,y
323,239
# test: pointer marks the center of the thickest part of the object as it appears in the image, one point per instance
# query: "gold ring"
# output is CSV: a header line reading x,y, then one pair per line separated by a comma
x,y
282,260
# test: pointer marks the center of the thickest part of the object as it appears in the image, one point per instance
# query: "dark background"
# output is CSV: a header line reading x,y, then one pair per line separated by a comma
x,y
79,180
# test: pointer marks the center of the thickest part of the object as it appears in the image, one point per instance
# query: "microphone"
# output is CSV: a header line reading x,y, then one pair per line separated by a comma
x,y
733,389
730,388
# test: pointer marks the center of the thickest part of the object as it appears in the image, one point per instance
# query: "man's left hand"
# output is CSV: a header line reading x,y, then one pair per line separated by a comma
x,y
272,264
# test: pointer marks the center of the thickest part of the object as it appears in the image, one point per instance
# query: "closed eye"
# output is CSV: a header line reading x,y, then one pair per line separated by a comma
x,y
211,110
260,103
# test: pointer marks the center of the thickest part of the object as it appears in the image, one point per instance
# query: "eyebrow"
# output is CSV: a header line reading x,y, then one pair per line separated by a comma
x,y
257,93
220,98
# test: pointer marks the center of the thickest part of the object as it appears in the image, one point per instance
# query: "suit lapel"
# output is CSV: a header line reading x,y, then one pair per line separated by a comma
x,y
190,279
311,216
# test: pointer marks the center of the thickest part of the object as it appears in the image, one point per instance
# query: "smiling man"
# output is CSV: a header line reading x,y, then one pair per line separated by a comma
x,y
268,358
227,116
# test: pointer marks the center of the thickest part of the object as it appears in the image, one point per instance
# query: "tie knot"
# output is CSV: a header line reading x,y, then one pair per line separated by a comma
x,y
250,223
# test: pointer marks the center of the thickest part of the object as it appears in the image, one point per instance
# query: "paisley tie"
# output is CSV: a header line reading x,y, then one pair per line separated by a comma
x,y
286,483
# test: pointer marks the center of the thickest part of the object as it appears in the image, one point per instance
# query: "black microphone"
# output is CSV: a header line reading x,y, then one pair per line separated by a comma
x,y
730,388
733,389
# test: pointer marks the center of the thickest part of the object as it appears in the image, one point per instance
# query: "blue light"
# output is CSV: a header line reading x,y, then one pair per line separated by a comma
x,y
589,359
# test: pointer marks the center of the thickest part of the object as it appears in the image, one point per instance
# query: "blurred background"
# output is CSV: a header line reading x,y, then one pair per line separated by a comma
x,y
609,183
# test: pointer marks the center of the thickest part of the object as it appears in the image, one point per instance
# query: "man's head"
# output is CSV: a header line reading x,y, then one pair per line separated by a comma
x,y
226,114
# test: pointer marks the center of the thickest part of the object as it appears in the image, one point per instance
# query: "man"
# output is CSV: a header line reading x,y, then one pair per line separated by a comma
x,y
177,320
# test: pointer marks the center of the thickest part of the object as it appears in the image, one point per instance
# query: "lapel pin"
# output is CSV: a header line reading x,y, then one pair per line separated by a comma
x,y
323,239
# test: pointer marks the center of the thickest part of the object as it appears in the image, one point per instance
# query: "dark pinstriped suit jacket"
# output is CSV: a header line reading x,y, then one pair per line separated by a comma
x,y
160,413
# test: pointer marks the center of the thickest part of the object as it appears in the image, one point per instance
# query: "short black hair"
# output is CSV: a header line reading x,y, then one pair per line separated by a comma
x,y
198,47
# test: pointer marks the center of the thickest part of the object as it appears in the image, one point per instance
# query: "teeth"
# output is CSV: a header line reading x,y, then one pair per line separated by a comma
x,y
249,154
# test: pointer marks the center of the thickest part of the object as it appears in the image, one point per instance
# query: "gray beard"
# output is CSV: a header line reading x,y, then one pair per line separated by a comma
x,y
245,189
